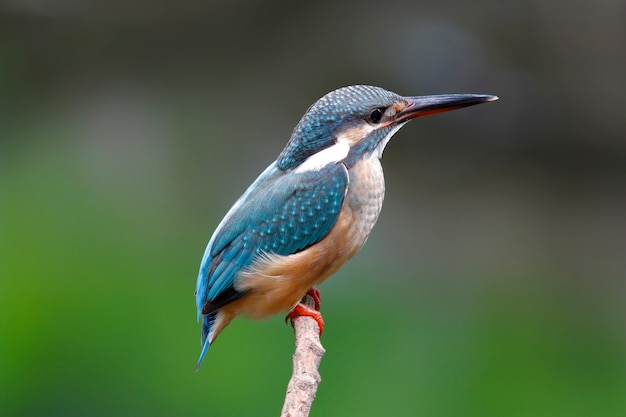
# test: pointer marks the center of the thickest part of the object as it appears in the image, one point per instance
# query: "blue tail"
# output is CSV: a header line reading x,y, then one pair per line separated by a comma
x,y
208,322
205,348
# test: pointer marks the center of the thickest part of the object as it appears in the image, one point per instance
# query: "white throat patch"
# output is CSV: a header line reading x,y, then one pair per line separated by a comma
x,y
317,161
340,150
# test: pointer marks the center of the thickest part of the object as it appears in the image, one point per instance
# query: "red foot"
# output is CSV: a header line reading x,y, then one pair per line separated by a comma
x,y
302,310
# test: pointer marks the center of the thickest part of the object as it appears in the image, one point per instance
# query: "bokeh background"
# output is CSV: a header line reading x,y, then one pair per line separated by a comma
x,y
493,284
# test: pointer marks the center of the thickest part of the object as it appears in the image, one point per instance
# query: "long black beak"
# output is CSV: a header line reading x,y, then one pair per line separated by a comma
x,y
426,105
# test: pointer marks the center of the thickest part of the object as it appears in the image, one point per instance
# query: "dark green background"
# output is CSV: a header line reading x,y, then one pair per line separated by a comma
x,y
493,284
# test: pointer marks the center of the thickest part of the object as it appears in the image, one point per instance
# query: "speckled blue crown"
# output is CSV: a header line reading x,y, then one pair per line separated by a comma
x,y
316,130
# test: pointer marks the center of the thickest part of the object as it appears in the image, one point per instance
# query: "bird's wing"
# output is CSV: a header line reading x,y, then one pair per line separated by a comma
x,y
280,213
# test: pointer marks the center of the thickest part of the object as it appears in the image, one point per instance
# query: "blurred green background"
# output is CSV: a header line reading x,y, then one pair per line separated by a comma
x,y
493,284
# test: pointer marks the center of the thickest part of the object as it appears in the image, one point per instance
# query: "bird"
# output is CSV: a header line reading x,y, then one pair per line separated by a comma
x,y
310,210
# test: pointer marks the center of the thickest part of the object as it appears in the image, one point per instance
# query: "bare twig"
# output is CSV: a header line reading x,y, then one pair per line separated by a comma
x,y
306,360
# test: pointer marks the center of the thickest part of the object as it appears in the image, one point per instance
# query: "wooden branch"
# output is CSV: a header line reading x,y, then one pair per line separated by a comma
x,y
306,361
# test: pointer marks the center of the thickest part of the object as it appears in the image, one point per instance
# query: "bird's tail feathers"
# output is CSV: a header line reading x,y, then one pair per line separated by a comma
x,y
208,327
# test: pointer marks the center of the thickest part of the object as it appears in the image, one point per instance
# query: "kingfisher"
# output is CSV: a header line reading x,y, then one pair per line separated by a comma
x,y
310,211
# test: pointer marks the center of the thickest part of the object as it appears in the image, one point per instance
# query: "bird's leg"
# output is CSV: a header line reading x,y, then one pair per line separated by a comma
x,y
303,310
316,296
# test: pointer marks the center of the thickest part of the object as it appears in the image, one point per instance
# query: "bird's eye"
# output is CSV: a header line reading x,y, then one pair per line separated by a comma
x,y
376,115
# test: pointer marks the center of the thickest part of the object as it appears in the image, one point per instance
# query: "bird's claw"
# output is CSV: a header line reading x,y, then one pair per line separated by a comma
x,y
304,310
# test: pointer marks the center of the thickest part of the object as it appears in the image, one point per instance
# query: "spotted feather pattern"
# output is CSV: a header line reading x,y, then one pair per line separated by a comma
x,y
326,116
280,214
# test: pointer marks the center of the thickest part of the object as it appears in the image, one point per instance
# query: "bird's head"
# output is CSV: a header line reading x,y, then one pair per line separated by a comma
x,y
357,121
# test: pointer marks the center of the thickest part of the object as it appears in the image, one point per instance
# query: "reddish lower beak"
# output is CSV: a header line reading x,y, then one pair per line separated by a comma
x,y
426,105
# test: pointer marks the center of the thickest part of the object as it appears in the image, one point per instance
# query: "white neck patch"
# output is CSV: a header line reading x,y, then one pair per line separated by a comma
x,y
315,162
339,151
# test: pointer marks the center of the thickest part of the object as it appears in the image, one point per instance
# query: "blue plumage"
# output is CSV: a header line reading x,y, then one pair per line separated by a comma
x,y
283,236
281,213
330,114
